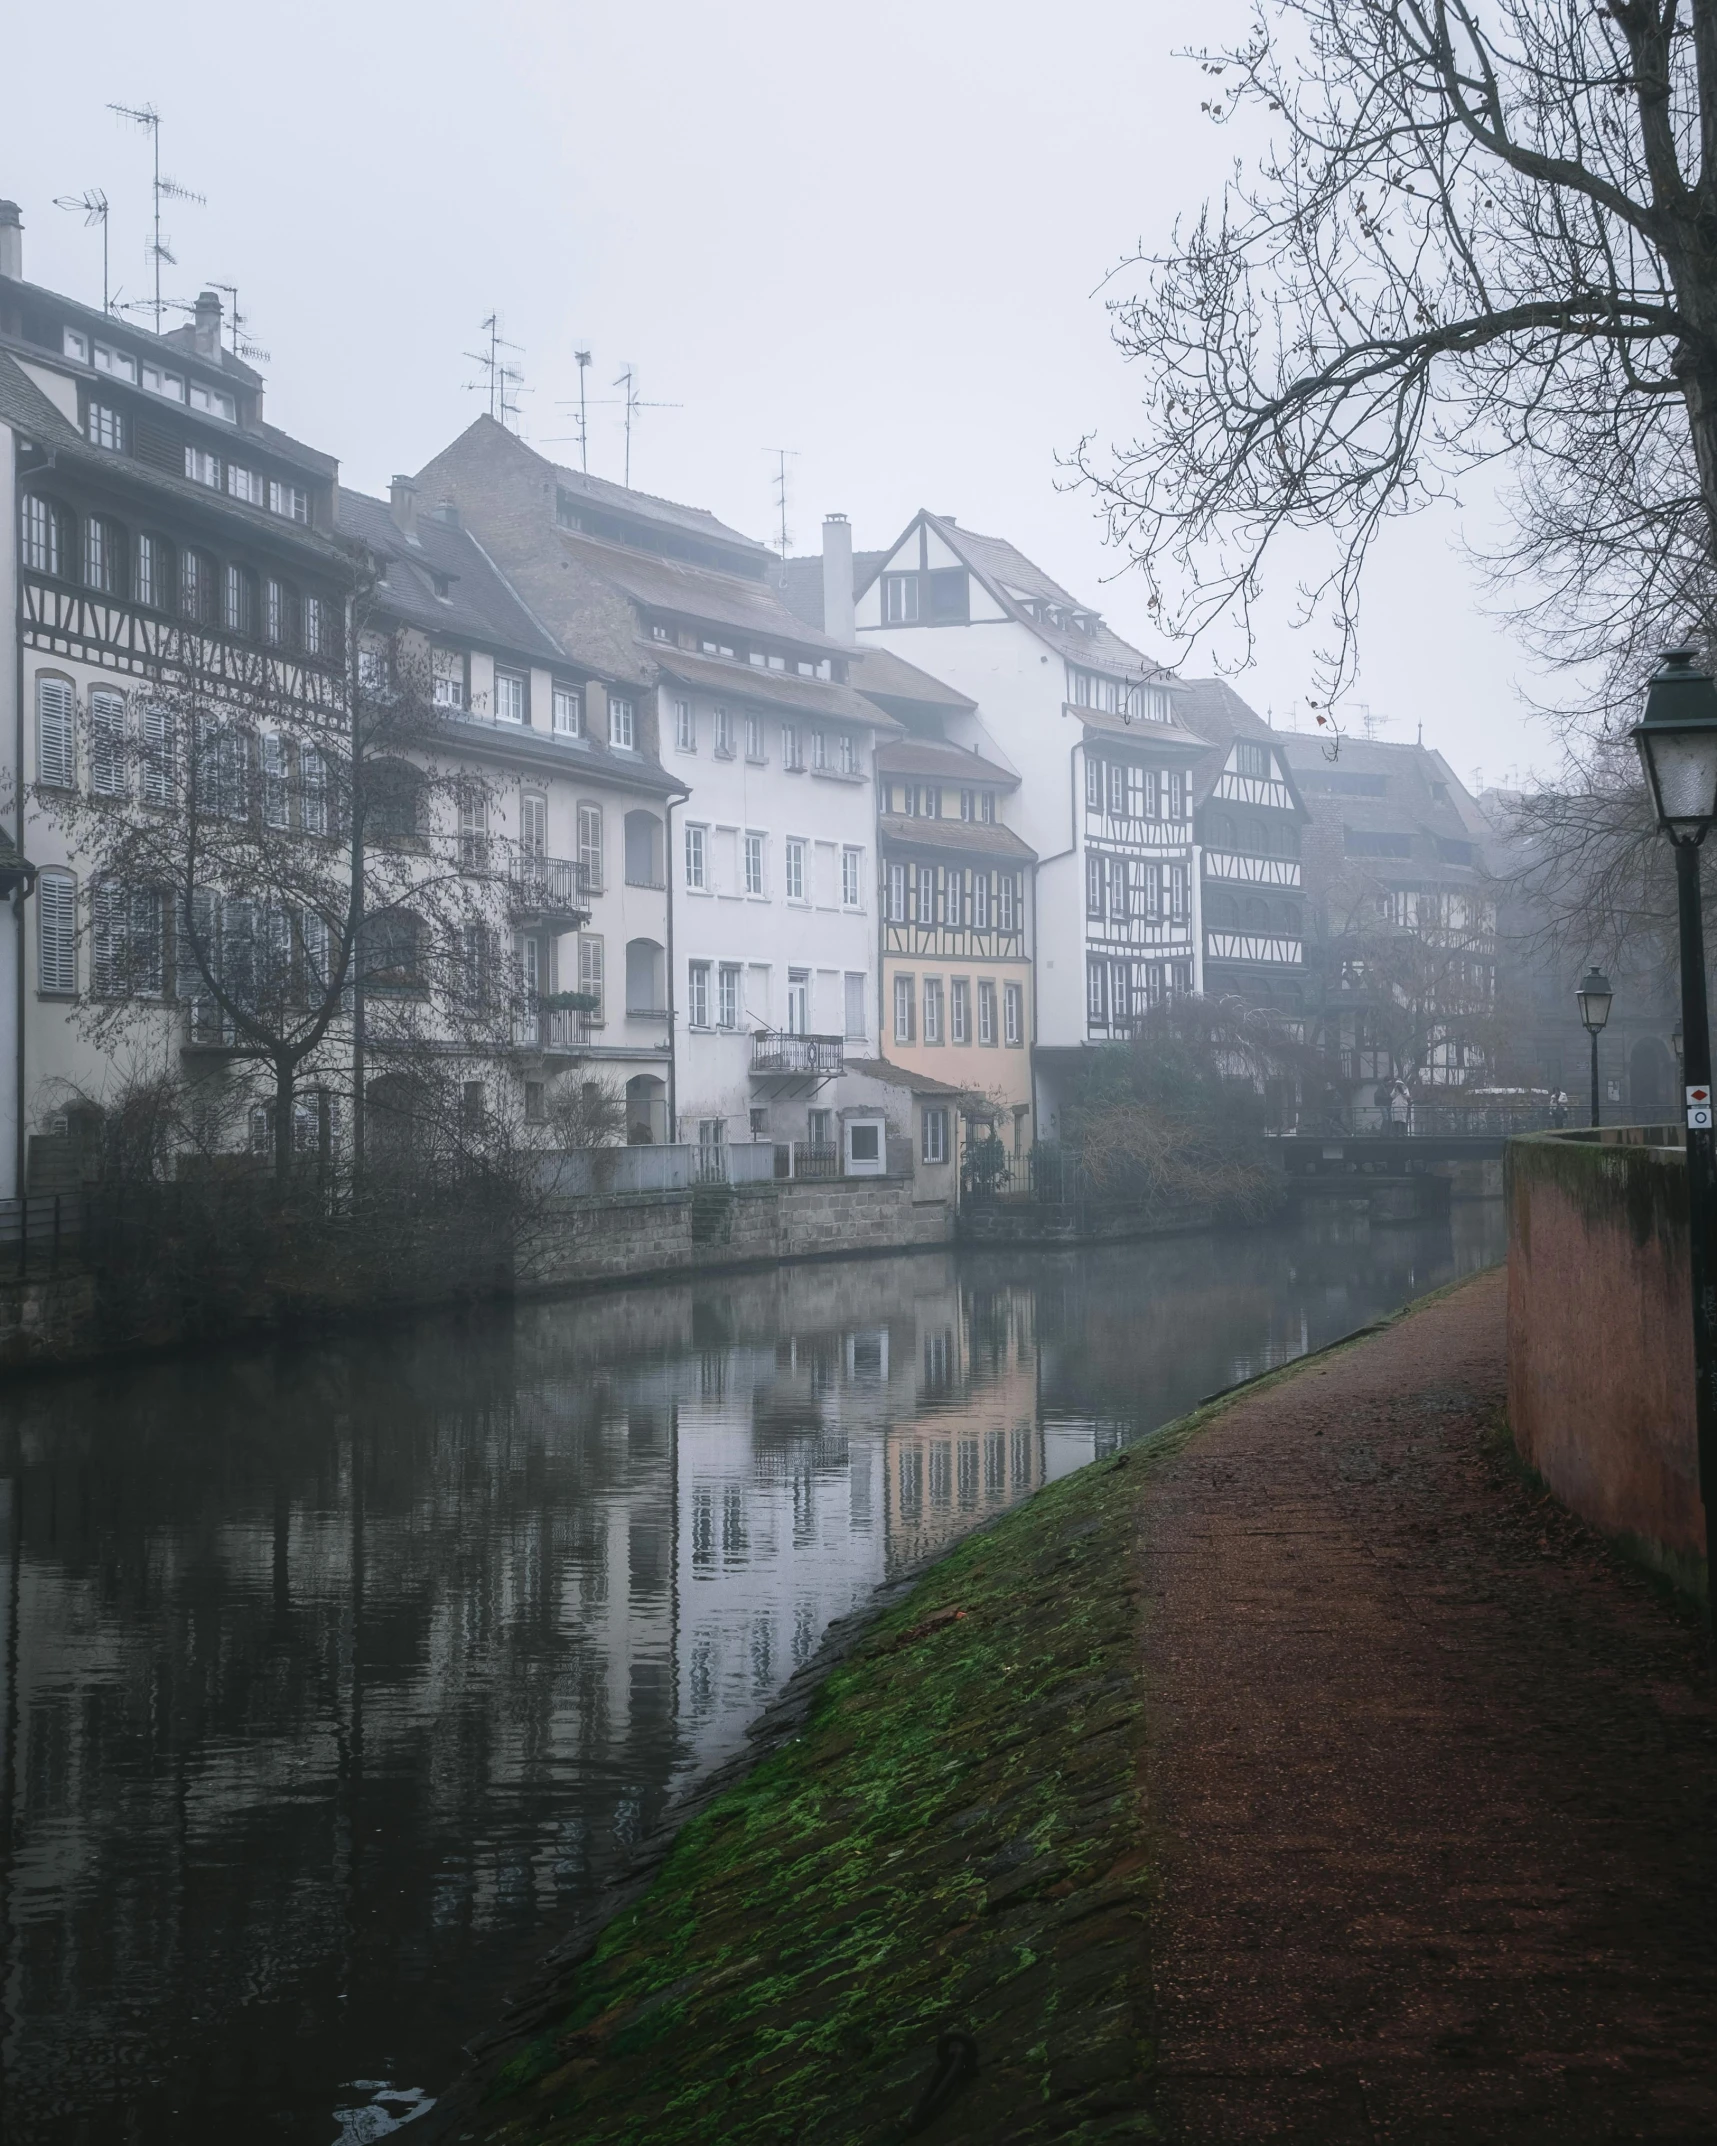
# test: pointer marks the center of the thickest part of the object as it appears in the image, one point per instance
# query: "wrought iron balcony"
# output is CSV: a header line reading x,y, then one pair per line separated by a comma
x,y
551,888
774,1051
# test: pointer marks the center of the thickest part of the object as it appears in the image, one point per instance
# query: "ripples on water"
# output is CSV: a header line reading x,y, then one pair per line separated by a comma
x,y
336,1677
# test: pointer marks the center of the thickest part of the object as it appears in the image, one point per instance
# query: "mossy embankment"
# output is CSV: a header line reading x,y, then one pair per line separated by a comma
x,y
955,1840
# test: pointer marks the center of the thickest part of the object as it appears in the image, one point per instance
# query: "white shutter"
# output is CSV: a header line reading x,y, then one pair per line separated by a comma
x,y
108,903
590,973
57,933
56,755
107,743
313,929
155,735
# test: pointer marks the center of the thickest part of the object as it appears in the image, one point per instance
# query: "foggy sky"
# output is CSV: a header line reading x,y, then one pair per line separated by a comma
x,y
873,236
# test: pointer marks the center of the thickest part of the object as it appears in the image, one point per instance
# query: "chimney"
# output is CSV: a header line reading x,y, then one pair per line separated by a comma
x,y
402,504
208,325
11,241
838,579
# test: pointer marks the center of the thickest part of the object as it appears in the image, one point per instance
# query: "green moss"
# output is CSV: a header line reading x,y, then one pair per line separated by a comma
x,y
955,1840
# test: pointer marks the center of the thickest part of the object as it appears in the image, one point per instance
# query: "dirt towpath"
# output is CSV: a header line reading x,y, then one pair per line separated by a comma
x,y
1432,1778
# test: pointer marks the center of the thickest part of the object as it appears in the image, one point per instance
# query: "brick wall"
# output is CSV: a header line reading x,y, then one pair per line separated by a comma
x,y
1600,1339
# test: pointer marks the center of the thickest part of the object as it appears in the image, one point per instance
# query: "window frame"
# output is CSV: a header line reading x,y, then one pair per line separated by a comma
x,y
933,1132
622,723
793,875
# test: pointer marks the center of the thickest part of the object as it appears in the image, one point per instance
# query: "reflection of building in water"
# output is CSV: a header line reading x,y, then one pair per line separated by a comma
x,y
971,1446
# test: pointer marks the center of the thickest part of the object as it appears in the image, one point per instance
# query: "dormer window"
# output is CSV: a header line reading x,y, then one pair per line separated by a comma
x,y
289,501
76,345
214,402
120,363
158,381
660,633
443,588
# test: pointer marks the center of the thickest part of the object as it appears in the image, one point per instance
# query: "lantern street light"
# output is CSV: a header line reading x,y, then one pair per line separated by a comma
x,y
1677,742
1593,999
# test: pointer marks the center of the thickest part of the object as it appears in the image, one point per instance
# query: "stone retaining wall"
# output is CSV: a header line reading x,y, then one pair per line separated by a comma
x,y
712,1226
1600,1336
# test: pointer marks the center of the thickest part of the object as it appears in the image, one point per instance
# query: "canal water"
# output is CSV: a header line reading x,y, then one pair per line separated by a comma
x,y
335,1677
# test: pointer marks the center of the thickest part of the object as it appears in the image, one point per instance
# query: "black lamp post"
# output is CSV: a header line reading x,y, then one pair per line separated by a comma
x,y
1677,743
1593,999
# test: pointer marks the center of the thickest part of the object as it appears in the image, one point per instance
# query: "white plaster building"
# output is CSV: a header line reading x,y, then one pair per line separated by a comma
x,y
1105,795
771,978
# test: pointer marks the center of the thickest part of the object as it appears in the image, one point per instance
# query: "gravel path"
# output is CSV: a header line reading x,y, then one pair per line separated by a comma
x,y
1432,1778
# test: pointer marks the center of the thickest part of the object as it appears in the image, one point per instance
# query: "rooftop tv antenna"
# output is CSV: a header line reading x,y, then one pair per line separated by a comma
x,y
501,379
628,384
582,359
146,116
243,347
783,455
93,202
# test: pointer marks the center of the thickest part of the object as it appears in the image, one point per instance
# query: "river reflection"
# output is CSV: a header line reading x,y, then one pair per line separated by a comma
x,y
336,1677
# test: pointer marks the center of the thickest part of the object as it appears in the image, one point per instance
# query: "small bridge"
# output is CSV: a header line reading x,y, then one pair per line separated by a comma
x,y
1378,1154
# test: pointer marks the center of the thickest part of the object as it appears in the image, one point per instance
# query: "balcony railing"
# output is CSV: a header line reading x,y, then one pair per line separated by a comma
x,y
550,886
773,1050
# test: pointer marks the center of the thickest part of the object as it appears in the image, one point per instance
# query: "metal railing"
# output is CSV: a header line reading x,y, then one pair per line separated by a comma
x,y
798,1158
773,1050
550,886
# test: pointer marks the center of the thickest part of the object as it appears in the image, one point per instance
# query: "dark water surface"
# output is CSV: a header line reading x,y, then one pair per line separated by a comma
x,y
333,1678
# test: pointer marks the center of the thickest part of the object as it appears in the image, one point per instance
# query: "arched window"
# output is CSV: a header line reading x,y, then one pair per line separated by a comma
x,y
238,601
1222,912
56,716
1219,830
646,988
57,934
103,555
1255,837
395,790
644,857
1257,914
152,572
197,584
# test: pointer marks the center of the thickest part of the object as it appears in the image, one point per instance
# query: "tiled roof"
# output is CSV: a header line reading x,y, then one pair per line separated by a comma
x,y
480,605
885,676
696,592
963,837
742,682
800,582
893,1076
925,756
1009,574
23,405
1408,806
646,506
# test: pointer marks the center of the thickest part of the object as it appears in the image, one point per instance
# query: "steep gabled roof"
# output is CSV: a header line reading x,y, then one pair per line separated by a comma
x,y
800,582
1016,583
480,605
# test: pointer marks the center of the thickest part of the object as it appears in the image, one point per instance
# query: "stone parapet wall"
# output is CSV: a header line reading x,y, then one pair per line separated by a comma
x,y
716,1226
1600,1337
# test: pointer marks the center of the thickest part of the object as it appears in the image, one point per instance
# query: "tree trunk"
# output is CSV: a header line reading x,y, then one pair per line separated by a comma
x,y
284,1071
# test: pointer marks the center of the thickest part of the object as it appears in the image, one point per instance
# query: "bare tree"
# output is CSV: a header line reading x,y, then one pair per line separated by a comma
x,y
294,847
1478,235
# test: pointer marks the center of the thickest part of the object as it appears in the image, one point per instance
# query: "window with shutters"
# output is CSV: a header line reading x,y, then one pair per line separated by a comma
x,y
590,847
933,1009
57,934
905,1010
107,742
313,791
56,752
125,941
155,753
590,974
473,828
1093,785
533,824
275,803
959,1010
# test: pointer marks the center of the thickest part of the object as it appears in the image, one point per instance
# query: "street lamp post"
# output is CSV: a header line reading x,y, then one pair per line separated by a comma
x,y
1593,999
1677,743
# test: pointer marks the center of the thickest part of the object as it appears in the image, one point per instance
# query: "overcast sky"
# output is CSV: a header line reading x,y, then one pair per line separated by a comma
x,y
873,236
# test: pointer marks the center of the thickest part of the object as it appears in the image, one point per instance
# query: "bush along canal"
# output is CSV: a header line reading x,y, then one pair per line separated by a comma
x,y
1303,1773
933,1897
